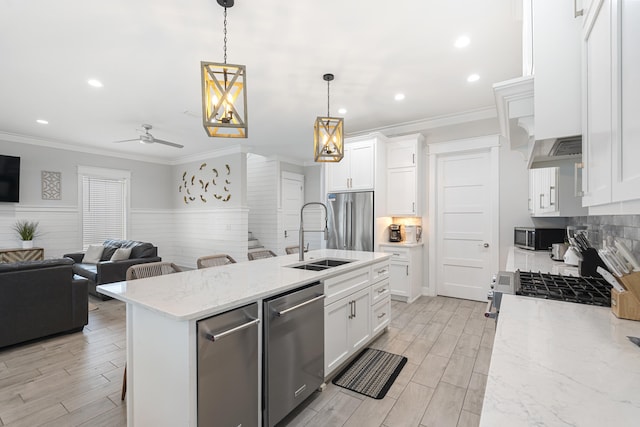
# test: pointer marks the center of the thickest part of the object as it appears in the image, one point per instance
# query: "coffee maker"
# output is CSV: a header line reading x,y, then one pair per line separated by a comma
x,y
395,232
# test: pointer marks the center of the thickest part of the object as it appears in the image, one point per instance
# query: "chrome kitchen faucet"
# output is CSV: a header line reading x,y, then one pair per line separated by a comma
x,y
325,231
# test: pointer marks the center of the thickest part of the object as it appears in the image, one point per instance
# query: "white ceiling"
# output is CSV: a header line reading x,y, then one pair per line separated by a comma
x,y
148,52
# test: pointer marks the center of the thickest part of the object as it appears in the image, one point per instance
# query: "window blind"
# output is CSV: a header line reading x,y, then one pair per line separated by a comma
x,y
103,209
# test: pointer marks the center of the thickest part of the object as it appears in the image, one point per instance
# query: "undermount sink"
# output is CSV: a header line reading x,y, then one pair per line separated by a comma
x,y
321,264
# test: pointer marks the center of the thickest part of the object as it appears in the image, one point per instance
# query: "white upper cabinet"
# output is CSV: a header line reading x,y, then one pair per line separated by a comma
x,y
404,175
556,53
552,192
356,171
611,105
626,149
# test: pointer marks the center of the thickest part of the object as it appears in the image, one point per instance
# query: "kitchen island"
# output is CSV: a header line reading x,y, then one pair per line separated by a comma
x,y
562,364
163,311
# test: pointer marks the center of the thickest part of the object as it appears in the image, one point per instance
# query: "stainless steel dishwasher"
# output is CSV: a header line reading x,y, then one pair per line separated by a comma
x,y
228,368
293,350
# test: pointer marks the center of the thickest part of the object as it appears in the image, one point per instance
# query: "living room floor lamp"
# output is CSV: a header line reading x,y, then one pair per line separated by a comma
x,y
328,134
224,94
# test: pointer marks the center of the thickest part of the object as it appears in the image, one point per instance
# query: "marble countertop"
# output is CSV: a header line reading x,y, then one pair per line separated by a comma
x,y
402,244
196,294
537,261
562,364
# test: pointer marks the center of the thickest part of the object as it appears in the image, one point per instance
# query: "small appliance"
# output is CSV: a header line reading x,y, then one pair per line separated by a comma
x,y
410,234
537,239
558,250
395,233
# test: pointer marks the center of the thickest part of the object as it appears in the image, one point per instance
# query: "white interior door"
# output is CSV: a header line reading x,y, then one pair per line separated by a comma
x,y
292,200
466,208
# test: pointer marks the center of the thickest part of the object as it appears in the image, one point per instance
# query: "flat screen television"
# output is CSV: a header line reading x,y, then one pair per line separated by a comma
x,y
9,179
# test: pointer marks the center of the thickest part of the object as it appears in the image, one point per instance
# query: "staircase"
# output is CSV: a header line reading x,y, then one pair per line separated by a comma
x,y
253,243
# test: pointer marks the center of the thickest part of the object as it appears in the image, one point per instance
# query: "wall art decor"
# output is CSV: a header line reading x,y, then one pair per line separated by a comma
x,y
51,185
206,184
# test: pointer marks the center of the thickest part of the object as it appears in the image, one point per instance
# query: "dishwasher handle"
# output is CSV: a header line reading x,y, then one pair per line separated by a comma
x,y
302,304
216,337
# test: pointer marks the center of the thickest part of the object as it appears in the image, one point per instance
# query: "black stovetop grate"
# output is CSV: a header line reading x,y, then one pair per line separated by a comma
x,y
582,290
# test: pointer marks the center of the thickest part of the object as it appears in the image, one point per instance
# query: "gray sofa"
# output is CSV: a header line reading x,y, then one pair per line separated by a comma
x,y
107,271
39,299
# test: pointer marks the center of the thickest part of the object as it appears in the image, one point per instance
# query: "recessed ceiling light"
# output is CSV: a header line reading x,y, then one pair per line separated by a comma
x,y
95,83
42,122
399,96
342,111
473,78
462,41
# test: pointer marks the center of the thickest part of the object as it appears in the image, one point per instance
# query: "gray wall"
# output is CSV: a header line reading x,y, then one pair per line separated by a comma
x,y
149,181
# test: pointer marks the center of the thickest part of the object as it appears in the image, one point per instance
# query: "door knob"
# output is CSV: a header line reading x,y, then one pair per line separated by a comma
x,y
486,245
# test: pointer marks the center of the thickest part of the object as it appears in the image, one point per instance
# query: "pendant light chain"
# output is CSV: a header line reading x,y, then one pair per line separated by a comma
x,y
328,94
225,35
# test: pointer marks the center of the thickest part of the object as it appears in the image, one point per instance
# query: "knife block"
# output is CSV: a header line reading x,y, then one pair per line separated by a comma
x,y
590,262
626,305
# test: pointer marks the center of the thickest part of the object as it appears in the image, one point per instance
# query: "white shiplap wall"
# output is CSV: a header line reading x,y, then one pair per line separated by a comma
x,y
262,199
207,232
59,228
181,237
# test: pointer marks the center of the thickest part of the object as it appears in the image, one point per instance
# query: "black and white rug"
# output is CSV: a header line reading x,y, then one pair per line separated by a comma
x,y
372,373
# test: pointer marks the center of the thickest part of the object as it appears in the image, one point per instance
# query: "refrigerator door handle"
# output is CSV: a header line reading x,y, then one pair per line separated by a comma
x,y
345,241
353,228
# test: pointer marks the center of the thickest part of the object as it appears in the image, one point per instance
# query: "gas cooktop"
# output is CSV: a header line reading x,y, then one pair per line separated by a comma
x,y
582,290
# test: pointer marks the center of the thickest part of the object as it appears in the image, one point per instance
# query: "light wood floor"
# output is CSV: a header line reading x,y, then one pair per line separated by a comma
x,y
448,345
69,380
75,380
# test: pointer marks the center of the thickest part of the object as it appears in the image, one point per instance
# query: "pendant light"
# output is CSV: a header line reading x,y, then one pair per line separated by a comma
x,y
224,94
328,134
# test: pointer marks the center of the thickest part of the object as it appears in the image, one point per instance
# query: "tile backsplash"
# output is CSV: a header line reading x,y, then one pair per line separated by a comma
x,y
606,227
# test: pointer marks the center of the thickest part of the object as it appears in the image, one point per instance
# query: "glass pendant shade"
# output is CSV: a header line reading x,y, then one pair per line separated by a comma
x,y
328,139
224,100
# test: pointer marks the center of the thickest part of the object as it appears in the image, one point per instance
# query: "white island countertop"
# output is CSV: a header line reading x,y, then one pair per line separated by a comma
x,y
562,364
196,294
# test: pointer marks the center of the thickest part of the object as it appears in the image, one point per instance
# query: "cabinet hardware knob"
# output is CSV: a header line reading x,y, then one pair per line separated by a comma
x,y
486,245
381,315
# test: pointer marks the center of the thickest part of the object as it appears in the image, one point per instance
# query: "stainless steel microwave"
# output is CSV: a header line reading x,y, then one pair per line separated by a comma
x,y
537,239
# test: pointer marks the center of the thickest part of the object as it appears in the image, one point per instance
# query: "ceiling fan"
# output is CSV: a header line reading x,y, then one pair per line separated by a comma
x,y
147,138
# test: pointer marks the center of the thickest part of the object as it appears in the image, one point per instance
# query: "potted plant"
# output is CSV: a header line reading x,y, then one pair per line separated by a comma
x,y
27,230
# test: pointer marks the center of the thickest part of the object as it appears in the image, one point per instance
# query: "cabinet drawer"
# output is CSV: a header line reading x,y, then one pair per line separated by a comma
x,y
345,284
379,271
399,254
381,315
380,291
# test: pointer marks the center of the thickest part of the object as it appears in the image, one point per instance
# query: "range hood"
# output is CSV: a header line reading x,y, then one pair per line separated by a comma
x,y
549,152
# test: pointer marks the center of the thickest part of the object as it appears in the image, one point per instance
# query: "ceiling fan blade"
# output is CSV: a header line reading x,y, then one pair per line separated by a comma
x,y
172,144
127,140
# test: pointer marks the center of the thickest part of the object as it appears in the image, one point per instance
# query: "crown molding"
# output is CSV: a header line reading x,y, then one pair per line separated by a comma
x,y
431,123
52,143
235,149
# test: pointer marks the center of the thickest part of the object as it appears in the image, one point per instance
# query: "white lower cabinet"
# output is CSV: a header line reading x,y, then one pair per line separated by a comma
x,y
381,315
347,328
405,271
352,321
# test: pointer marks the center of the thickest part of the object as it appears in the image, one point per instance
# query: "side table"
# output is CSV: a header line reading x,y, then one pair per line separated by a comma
x,y
19,254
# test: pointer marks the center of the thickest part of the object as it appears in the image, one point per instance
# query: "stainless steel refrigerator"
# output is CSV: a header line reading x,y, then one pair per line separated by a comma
x,y
351,221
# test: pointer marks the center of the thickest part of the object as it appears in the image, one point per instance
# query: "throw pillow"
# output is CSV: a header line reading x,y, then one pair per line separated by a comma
x,y
110,247
121,254
93,254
